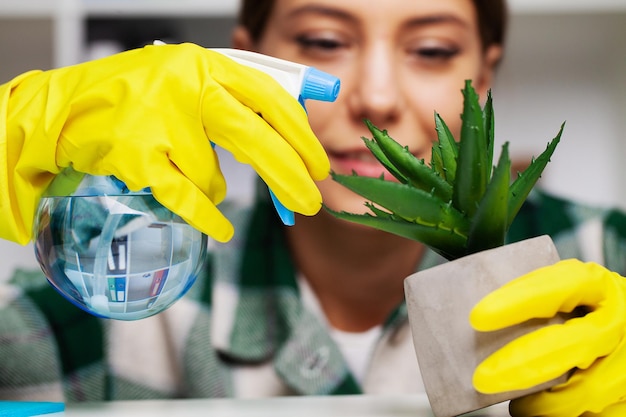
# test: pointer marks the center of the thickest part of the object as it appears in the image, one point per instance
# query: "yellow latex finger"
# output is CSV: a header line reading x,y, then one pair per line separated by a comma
x,y
178,192
598,390
541,294
264,96
193,206
149,133
253,141
545,354
551,351
615,410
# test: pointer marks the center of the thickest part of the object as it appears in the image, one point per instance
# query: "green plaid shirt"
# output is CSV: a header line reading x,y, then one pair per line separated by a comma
x,y
242,330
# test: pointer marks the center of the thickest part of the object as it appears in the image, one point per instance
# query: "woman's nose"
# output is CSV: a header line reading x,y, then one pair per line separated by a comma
x,y
376,94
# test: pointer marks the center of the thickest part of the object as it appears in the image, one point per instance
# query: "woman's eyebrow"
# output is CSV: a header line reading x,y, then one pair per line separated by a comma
x,y
419,21
436,19
321,10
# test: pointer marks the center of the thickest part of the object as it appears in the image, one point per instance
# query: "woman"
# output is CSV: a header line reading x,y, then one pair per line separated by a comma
x,y
316,308
398,62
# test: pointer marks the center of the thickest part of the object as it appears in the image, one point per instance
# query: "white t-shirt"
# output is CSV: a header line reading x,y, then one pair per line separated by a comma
x,y
356,347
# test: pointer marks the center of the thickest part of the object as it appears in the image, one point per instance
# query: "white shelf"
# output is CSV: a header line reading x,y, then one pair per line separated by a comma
x,y
69,16
566,6
42,8
53,8
28,8
152,8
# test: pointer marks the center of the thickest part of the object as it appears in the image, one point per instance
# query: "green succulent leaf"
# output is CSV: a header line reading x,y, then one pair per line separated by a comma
x,y
417,173
445,151
473,168
406,202
461,203
489,225
378,153
448,243
489,126
526,180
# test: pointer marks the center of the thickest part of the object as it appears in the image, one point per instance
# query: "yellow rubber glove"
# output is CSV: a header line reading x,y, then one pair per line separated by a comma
x,y
593,345
146,117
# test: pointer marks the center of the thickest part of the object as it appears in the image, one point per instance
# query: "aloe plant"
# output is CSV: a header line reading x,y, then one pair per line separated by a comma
x,y
459,203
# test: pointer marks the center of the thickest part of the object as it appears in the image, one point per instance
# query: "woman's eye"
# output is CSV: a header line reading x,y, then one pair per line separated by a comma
x,y
436,53
318,43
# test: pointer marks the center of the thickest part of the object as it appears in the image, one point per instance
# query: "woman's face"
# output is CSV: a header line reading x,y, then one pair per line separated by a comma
x,y
398,61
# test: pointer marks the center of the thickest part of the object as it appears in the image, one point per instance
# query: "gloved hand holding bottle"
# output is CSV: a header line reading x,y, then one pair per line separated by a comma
x,y
147,117
590,345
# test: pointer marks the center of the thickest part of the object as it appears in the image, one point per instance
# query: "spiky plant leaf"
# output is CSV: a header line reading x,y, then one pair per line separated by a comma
x,y
472,166
485,233
378,153
476,213
406,202
448,243
445,151
489,126
526,180
417,173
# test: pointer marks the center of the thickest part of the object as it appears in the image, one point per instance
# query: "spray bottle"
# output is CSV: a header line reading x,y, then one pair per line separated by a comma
x,y
120,254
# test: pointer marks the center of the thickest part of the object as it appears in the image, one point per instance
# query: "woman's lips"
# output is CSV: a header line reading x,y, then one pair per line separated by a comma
x,y
361,162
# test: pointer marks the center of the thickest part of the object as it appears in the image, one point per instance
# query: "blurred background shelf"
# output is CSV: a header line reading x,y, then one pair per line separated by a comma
x,y
221,7
566,6
161,7
63,24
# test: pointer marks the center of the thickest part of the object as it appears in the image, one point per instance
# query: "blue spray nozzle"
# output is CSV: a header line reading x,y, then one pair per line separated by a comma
x,y
319,85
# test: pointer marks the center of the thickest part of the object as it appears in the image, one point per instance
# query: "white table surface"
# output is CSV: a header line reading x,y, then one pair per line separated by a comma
x,y
339,406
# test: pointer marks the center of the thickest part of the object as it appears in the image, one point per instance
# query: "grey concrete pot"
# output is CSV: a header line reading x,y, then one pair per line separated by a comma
x,y
448,350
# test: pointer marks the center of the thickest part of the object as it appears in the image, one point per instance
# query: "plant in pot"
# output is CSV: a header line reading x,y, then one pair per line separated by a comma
x,y
461,206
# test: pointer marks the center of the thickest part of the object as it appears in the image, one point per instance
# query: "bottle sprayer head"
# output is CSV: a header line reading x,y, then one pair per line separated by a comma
x,y
318,85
